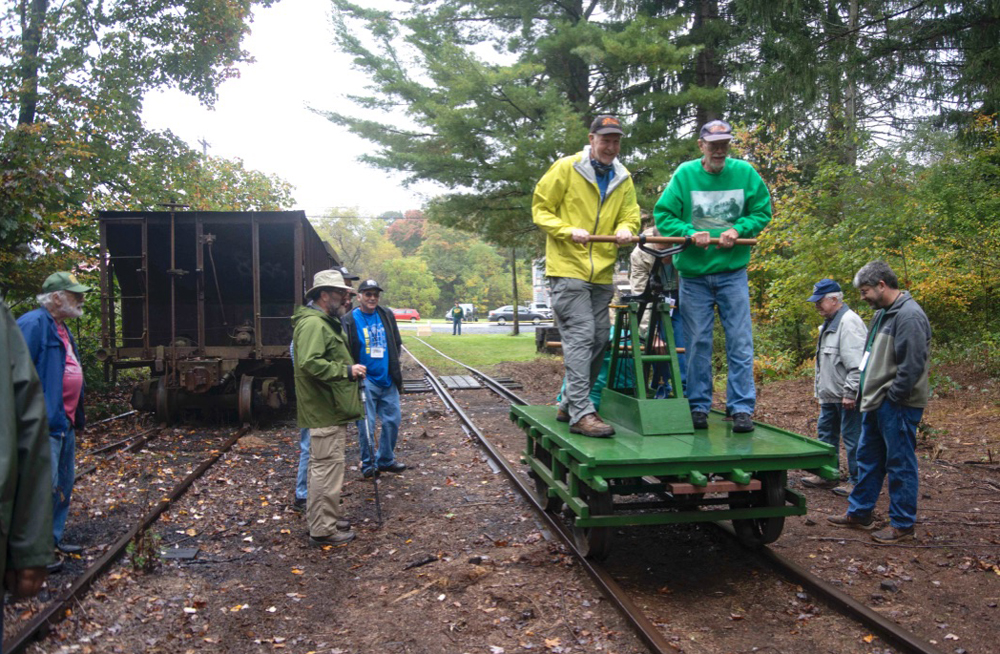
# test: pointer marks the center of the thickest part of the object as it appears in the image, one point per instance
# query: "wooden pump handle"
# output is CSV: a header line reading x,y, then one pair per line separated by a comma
x,y
666,240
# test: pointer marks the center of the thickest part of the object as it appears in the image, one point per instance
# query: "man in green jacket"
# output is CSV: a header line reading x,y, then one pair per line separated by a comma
x,y
327,401
586,193
716,196
25,472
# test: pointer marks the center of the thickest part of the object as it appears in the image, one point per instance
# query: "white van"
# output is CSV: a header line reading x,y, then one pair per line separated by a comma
x,y
539,307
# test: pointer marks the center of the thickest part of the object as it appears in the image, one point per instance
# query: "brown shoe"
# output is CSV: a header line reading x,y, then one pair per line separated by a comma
x,y
592,425
852,522
815,481
892,535
562,416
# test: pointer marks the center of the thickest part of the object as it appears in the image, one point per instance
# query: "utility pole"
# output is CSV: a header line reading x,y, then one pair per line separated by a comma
x,y
205,145
513,272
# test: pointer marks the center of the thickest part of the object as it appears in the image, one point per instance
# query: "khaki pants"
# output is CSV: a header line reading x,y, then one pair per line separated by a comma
x,y
326,478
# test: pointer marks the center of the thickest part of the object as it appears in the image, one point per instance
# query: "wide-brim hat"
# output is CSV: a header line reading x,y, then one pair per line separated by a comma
x,y
329,279
822,288
63,281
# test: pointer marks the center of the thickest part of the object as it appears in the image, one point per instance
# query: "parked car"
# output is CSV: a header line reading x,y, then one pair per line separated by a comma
x,y
406,314
469,313
505,313
540,307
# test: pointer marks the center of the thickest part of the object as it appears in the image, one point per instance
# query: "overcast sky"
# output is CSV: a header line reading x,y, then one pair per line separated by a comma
x,y
263,117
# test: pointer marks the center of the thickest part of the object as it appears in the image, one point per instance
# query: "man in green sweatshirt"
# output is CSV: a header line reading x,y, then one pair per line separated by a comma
x,y
327,399
716,196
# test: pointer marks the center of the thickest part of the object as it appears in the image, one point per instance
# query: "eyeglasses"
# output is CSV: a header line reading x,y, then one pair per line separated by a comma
x,y
370,294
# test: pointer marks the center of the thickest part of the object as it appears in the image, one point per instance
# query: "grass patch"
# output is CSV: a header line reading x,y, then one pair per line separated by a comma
x,y
477,350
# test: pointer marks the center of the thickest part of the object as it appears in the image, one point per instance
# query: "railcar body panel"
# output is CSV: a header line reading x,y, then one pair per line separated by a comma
x,y
204,298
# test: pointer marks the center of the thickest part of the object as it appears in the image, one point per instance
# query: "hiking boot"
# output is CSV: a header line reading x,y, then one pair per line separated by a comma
x,y
700,419
343,525
814,481
395,466
367,474
852,522
742,423
844,490
299,505
592,425
892,535
562,416
337,538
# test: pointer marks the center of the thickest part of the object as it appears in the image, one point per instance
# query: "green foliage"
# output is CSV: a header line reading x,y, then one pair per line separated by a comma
x,y
477,350
410,285
143,551
359,241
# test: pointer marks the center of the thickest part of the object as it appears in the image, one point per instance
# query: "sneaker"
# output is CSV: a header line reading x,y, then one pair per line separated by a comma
x,y
299,505
591,425
742,423
337,538
369,472
892,535
395,466
562,416
814,481
852,522
843,490
700,419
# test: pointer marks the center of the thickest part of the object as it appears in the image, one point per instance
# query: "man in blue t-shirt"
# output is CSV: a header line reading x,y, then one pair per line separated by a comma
x,y
375,343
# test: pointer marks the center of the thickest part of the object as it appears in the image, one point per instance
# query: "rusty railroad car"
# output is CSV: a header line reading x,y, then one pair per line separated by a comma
x,y
203,299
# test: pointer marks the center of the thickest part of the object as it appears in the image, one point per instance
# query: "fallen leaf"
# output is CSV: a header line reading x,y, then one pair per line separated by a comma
x,y
869,638
296,571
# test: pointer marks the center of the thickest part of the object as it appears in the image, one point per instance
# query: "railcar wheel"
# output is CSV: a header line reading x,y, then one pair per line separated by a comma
x,y
246,399
595,542
164,408
550,504
755,532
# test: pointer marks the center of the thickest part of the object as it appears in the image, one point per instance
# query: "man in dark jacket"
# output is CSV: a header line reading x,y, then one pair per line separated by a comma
x,y
375,343
894,389
456,319
327,401
26,518
57,361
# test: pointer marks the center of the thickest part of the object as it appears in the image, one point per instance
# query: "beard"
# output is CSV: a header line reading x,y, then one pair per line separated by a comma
x,y
337,311
68,311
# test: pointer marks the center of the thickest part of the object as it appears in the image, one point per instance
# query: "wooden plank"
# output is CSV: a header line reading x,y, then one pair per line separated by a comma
x,y
712,487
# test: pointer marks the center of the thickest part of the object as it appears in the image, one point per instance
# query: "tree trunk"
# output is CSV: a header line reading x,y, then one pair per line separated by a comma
x,y
32,19
708,70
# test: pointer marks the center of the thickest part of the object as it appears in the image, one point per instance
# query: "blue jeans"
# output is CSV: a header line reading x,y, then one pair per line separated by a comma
x,y
63,477
699,296
301,481
456,327
383,403
888,446
661,372
836,422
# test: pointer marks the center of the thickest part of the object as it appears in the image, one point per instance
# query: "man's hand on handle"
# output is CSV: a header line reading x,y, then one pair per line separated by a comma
x,y
623,236
580,235
727,239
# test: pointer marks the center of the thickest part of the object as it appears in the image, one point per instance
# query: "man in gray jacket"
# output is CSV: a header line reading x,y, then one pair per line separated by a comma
x,y
894,391
839,350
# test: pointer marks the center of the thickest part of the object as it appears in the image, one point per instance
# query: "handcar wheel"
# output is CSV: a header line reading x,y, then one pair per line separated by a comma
x,y
550,504
755,532
595,542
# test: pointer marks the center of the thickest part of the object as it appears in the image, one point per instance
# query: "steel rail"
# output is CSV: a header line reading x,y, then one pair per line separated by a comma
x,y
839,600
644,627
56,609
121,415
491,383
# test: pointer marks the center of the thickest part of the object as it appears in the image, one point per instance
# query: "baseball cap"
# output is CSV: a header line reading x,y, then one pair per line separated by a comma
x,y
821,288
716,130
347,275
63,281
369,285
606,125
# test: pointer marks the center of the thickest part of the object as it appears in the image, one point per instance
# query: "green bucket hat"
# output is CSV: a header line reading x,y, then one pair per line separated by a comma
x,y
63,281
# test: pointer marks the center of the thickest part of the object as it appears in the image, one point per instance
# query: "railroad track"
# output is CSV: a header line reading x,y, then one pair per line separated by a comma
x,y
841,602
56,608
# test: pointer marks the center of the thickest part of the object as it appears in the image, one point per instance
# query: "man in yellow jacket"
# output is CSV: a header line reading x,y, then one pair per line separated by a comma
x,y
586,193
